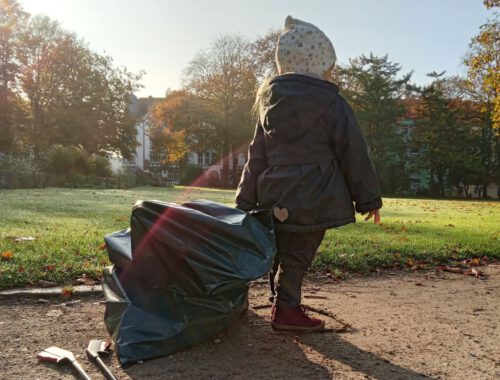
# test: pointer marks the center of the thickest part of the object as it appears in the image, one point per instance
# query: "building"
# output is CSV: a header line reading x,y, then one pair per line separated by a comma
x,y
419,179
205,168
208,163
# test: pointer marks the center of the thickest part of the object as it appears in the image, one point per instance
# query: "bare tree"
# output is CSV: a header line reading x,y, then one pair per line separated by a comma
x,y
224,77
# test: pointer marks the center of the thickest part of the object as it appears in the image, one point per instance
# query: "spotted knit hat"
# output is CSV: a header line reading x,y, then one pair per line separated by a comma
x,y
304,49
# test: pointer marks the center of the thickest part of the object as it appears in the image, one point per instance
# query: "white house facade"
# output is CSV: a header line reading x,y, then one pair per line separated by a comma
x,y
153,163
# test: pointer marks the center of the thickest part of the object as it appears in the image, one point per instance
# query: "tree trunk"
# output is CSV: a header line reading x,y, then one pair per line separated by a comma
x,y
440,182
432,184
235,169
225,164
466,190
485,190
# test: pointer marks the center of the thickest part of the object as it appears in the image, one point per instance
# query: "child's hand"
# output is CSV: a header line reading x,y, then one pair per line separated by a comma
x,y
375,214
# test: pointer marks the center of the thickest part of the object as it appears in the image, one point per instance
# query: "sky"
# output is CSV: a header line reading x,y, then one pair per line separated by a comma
x,y
162,36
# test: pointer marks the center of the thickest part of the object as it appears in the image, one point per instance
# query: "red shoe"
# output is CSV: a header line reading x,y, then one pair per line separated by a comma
x,y
294,320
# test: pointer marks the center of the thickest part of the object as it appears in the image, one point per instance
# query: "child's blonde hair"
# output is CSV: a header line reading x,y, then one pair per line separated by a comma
x,y
262,93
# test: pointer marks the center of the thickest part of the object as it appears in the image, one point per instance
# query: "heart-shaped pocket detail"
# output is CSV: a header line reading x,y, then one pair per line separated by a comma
x,y
280,213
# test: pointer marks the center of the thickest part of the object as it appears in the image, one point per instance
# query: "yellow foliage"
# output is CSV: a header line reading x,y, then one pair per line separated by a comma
x,y
483,62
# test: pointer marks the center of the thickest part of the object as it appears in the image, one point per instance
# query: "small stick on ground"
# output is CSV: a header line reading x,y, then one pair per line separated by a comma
x,y
345,326
265,306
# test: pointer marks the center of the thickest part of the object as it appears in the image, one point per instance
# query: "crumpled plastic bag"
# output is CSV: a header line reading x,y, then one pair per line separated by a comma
x,y
181,274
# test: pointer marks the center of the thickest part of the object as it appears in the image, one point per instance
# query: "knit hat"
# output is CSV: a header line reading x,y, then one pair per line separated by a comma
x,y
304,49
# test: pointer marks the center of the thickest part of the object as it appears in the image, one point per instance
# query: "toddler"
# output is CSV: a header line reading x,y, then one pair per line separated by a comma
x,y
308,162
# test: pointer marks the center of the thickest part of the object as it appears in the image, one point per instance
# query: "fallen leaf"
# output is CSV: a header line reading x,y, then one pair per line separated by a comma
x,y
46,284
50,268
67,291
475,261
410,262
447,268
472,272
7,255
102,246
87,280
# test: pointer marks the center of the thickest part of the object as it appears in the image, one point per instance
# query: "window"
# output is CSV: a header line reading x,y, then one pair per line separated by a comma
x,y
215,158
200,158
206,158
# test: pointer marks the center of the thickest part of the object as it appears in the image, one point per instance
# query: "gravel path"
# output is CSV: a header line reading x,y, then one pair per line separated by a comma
x,y
406,326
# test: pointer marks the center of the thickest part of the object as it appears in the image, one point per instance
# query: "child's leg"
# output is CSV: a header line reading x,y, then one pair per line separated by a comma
x,y
272,278
295,254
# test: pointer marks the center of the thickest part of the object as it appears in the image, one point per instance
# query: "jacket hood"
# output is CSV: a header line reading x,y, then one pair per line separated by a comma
x,y
291,104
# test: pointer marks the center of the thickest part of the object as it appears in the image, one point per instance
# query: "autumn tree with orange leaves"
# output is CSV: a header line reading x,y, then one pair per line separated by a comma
x,y
177,126
483,87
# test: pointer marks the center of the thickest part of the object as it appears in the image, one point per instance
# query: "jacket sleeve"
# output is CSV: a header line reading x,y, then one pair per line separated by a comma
x,y
352,154
246,195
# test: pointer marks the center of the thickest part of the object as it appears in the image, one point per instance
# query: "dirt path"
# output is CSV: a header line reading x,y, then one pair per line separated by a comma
x,y
407,326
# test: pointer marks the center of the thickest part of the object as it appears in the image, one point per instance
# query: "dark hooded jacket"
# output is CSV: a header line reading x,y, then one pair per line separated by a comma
x,y
308,155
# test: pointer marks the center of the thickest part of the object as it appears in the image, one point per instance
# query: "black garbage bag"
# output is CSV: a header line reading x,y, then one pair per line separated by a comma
x,y
181,274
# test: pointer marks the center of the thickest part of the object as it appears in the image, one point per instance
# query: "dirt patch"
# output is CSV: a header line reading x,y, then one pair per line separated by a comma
x,y
406,326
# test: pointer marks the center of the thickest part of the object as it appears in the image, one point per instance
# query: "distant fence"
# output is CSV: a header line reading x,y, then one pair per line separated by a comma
x,y
36,179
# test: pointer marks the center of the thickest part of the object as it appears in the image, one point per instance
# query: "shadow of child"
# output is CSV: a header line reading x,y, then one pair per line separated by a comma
x,y
336,349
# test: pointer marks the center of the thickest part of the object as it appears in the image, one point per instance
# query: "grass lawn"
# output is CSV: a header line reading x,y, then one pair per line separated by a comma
x,y
69,225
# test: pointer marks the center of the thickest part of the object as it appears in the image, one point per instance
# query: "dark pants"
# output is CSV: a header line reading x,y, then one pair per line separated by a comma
x,y
294,257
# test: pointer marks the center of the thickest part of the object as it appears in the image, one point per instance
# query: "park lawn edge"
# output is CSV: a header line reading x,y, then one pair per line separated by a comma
x,y
70,225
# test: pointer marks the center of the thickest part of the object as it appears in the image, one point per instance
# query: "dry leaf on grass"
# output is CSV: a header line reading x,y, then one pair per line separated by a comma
x,y
87,280
46,284
7,255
